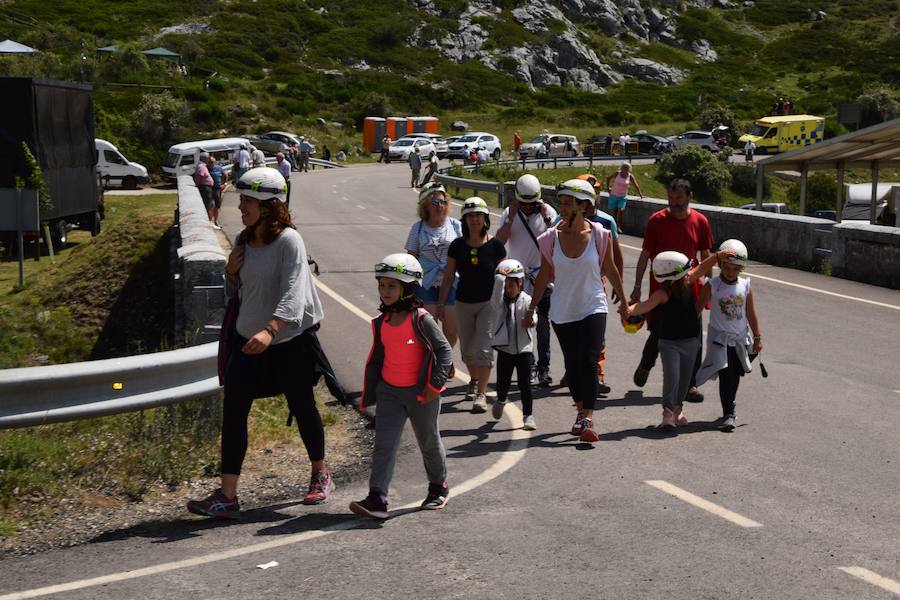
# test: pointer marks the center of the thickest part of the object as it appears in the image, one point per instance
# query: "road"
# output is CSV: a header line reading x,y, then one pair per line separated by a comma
x,y
799,502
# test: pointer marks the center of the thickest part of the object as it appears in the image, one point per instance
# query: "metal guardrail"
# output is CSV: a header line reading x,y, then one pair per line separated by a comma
x,y
39,395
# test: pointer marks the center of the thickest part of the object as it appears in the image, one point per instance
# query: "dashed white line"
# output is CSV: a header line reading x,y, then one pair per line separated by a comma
x,y
345,198
383,218
360,207
702,503
873,578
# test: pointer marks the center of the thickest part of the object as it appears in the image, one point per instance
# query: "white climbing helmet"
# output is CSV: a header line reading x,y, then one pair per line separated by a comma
x,y
263,183
432,187
513,268
528,188
579,189
400,266
475,205
740,251
670,266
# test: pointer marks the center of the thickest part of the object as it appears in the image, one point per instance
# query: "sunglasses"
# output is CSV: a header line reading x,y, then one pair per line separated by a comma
x,y
438,202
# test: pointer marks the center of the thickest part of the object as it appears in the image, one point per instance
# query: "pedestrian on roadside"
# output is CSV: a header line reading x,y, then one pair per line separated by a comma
x,y
241,162
204,182
749,151
273,347
623,143
432,168
257,157
521,223
517,141
326,153
385,145
575,254
429,241
733,337
404,377
415,166
676,227
306,150
676,311
618,184
474,257
512,341
293,155
219,178
609,142
284,167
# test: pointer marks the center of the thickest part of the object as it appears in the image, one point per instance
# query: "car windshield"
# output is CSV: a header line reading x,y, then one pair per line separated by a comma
x,y
403,143
468,138
759,130
537,140
172,159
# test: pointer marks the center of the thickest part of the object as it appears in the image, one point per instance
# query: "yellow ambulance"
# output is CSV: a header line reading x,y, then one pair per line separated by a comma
x,y
789,132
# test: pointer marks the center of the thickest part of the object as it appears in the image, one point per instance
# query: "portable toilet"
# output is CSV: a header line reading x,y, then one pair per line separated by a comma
x,y
422,125
396,127
374,129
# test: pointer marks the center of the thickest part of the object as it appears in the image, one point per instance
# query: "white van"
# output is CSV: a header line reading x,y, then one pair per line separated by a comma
x,y
115,169
182,158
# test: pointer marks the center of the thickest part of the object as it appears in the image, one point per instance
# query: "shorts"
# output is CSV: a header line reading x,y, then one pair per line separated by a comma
x,y
617,202
432,295
217,196
206,194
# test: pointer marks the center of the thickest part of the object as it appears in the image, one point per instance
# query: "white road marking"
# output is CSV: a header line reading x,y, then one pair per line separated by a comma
x,y
874,578
699,502
508,459
345,198
383,218
802,287
360,207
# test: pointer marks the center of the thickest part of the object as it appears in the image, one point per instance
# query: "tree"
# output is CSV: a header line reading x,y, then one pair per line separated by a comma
x,y
719,115
159,118
709,176
879,104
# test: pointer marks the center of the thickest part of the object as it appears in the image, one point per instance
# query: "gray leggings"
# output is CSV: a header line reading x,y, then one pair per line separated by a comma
x,y
395,405
677,357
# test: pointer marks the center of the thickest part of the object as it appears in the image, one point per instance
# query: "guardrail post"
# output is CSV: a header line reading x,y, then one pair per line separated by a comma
x,y
555,166
501,195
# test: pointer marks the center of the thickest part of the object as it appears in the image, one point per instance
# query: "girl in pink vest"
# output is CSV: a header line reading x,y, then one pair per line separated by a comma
x,y
618,184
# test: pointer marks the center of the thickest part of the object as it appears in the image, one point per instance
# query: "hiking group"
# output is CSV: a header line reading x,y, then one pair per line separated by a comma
x,y
545,268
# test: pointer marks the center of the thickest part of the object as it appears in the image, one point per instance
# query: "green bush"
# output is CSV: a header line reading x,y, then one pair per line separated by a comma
x,y
743,181
159,119
708,175
719,115
821,193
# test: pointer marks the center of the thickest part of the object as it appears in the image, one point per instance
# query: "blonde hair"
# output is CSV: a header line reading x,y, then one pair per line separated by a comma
x,y
425,205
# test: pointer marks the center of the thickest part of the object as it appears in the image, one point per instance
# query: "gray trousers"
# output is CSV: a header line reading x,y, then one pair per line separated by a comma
x,y
475,323
395,405
677,357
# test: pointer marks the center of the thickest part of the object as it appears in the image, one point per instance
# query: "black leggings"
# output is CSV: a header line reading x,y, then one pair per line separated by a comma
x,y
729,380
522,364
286,368
580,343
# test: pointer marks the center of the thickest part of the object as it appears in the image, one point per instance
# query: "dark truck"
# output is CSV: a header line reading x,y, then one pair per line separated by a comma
x,y
56,120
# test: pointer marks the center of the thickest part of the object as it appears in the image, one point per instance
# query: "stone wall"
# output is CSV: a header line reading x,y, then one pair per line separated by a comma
x,y
868,253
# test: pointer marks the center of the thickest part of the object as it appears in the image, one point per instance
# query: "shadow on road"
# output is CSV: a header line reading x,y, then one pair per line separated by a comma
x,y
651,432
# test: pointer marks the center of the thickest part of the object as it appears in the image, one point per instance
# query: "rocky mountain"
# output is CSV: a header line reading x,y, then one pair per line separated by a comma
x,y
560,50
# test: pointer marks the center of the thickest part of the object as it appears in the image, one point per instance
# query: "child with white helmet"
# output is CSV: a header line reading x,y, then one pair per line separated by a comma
x,y
733,335
675,315
512,340
404,377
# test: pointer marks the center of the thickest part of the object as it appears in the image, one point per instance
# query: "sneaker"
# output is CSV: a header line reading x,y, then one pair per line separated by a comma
x,y
471,389
479,404
543,377
578,426
679,417
530,424
497,409
321,489
668,420
215,505
438,494
694,395
727,424
602,388
375,506
640,376
587,432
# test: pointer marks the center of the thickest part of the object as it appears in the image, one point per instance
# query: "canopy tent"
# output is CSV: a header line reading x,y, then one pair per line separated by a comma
x,y
11,47
871,148
162,53
109,49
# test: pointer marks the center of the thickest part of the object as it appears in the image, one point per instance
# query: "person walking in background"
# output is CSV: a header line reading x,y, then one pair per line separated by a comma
x,y
575,254
415,166
623,144
241,162
306,150
618,184
326,153
733,337
512,341
517,141
219,177
474,256
273,347
749,151
385,145
204,182
284,167
405,374
432,168
679,228
609,142
257,158
521,223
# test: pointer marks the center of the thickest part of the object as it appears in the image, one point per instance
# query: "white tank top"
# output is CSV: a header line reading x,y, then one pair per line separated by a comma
x,y
578,290
728,310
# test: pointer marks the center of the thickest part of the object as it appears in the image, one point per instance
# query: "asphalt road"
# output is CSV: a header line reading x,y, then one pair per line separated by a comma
x,y
799,502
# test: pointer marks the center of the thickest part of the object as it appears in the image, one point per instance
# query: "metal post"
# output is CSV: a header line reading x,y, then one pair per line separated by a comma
x,y
840,191
20,239
874,200
804,175
760,179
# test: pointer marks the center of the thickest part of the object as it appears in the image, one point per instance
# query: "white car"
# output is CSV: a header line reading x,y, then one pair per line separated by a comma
x,y
704,139
440,144
558,145
478,139
400,149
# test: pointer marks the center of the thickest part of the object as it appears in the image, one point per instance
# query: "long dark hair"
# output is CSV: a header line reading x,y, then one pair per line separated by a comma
x,y
484,230
408,300
275,216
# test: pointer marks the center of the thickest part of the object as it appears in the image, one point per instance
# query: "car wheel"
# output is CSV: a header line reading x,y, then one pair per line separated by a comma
x,y
130,182
496,154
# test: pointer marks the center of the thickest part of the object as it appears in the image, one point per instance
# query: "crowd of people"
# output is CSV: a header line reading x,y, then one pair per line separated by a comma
x,y
498,296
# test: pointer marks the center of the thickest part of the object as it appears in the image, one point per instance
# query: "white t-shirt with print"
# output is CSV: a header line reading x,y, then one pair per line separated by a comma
x,y
728,311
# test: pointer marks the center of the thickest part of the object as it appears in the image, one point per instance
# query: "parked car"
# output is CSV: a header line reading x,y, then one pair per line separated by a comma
x,y
400,149
461,147
772,207
451,139
559,145
440,144
115,169
273,142
704,139
831,215
651,144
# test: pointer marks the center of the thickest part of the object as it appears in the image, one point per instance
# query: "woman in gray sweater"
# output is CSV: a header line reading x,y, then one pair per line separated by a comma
x,y
272,347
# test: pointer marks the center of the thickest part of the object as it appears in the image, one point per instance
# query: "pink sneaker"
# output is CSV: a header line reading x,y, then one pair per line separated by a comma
x,y
578,426
668,420
321,489
680,419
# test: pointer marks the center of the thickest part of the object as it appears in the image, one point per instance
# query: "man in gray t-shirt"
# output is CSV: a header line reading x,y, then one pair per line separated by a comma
x,y
415,165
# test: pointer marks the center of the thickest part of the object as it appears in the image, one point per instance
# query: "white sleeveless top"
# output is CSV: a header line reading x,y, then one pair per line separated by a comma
x,y
578,290
728,311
